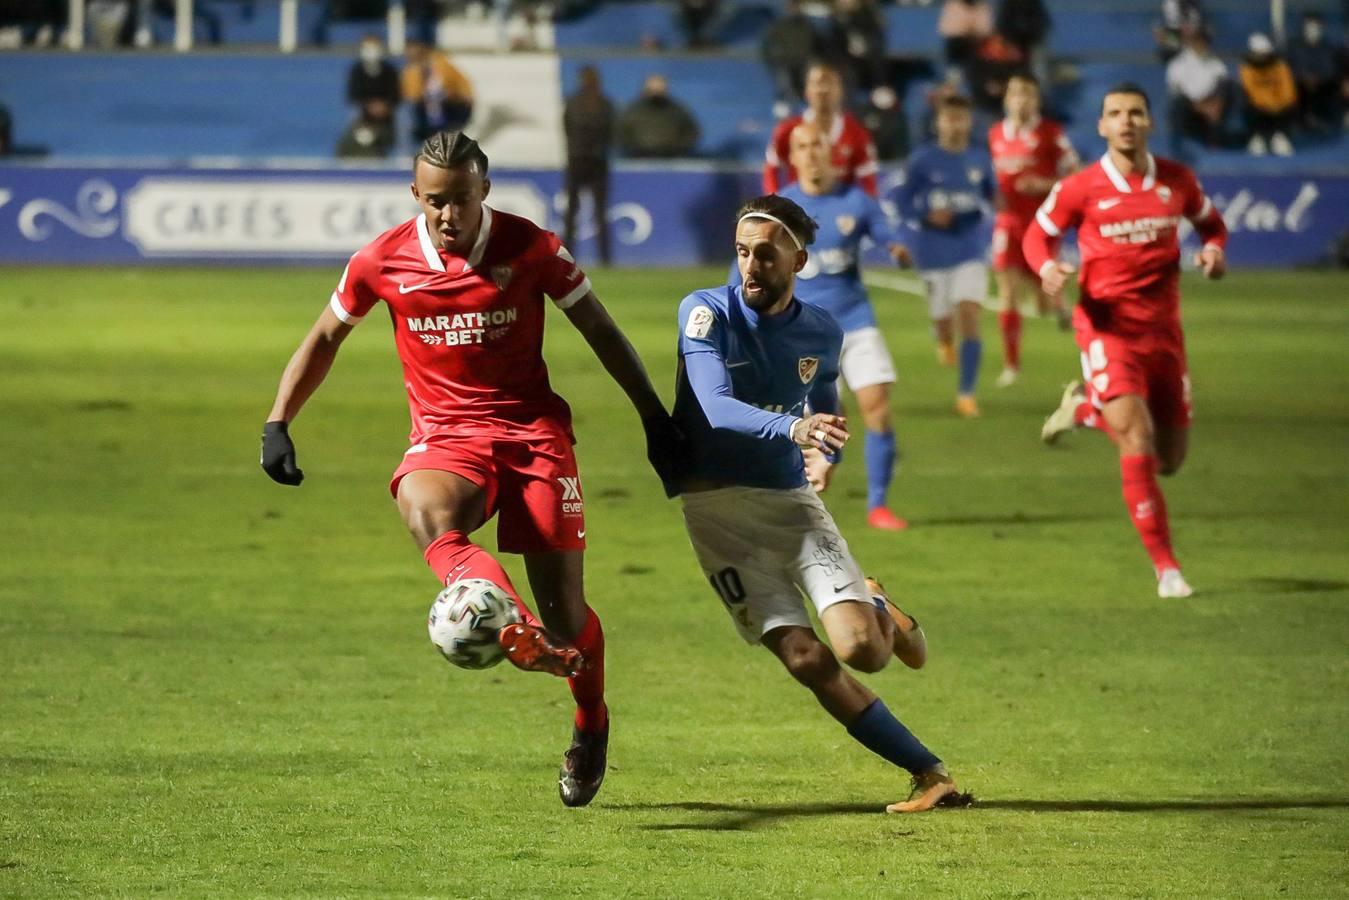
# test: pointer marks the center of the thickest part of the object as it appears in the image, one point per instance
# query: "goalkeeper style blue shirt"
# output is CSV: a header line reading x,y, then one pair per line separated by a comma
x,y
743,380
832,278
939,179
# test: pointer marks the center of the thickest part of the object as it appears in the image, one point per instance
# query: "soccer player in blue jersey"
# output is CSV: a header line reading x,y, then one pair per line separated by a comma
x,y
832,281
943,201
750,355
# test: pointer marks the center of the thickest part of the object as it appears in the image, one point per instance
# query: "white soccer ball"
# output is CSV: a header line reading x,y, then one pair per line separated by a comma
x,y
464,621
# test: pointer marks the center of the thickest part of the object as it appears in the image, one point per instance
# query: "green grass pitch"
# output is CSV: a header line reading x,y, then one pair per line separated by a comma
x,y
213,685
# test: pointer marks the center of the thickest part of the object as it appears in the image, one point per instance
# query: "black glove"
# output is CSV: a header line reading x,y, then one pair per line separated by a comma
x,y
278,455
668,451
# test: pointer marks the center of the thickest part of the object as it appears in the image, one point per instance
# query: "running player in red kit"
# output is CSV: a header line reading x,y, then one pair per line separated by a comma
x,y
1029,153
1126,209
852,151
465,287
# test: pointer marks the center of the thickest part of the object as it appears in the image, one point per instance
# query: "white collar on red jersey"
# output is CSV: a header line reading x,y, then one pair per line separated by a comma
x,y
1009,130
1120,182
432,255
835,130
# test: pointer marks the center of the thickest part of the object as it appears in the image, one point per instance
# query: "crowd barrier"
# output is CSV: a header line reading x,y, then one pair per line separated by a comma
x,y
658,216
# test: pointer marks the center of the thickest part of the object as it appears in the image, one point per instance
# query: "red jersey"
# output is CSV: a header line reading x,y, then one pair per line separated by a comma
x,y
1127,234
469,330
854,153
1040,148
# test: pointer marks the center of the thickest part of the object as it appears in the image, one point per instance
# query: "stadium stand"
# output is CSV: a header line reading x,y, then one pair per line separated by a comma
x,y
290,105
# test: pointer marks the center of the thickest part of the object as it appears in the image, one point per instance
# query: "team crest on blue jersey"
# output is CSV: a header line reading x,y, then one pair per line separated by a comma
x,y
975,175
806,367
845,224
502,275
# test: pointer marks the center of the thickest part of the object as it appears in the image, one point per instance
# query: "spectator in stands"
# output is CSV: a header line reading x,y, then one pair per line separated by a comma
x,y
372,88
372,83
588,123
696,17
788,46
962,25
1025,24
862,34
1315,69
35,22
439,95
1177,17
854,154
656,125
1199,85
1271,97
994,60
884,117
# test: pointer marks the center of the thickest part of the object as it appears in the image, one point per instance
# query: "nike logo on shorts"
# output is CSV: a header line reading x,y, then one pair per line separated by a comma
x,y
581,534
1107,203
405,288
838,589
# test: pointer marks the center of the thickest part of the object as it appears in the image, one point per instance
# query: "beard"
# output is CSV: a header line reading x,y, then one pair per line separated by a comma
x,y
769,292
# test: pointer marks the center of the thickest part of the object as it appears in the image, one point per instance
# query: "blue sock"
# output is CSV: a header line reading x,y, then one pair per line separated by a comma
x,y
971,349
880,732
879,449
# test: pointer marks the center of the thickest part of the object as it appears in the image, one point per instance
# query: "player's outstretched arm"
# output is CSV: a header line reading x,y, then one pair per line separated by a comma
x,y
666,446
304,373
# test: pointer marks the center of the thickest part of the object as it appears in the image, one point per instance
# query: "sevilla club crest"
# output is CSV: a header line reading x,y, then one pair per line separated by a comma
x,y
845,224
806,367
502,276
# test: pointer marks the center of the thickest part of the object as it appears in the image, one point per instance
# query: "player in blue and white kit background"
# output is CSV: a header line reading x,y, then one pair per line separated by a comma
x,y
832,281
943,203
750,355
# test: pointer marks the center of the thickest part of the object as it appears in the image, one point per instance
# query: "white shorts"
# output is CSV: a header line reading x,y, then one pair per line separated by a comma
x,y
865,359
947,287
762,549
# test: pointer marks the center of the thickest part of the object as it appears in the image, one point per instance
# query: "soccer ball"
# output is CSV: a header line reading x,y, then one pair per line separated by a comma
x,y
464,621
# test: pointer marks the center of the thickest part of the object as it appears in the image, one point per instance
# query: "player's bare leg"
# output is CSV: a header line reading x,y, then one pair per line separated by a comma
x,y
943,332
971,350
907,640
1010,284
1131,424
880,452
865,716
558,581
860,638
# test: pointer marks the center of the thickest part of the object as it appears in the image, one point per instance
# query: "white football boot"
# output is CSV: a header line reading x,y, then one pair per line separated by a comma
x,y
1171,585
1063,420
1008,377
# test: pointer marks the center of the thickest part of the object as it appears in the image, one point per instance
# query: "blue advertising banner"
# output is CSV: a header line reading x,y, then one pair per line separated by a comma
x,y
665,217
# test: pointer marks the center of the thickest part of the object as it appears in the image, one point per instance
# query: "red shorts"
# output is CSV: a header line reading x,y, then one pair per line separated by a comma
x,y
529,477
1151,366
1007,234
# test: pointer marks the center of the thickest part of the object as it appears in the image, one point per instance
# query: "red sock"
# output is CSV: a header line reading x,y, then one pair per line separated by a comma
x,y
1010,322
1147,508
588,687
453,557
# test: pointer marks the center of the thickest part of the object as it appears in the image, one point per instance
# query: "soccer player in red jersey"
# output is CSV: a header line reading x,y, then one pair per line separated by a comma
x,y
1126,209
1029,153
465,287
853,152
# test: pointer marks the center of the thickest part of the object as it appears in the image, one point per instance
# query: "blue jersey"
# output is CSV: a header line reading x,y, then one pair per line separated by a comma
x,y
832,279
939,179
743,381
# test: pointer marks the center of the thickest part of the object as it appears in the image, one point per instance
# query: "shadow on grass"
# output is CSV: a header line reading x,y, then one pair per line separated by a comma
x,y
747,816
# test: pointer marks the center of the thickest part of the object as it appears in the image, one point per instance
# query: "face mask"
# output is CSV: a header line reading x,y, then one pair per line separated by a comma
x,y
371,54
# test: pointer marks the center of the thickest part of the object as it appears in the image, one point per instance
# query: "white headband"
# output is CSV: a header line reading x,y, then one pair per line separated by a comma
x,y
763,215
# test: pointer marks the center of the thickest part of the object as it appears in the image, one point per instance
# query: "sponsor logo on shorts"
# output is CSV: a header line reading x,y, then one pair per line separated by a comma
x,y
571,496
